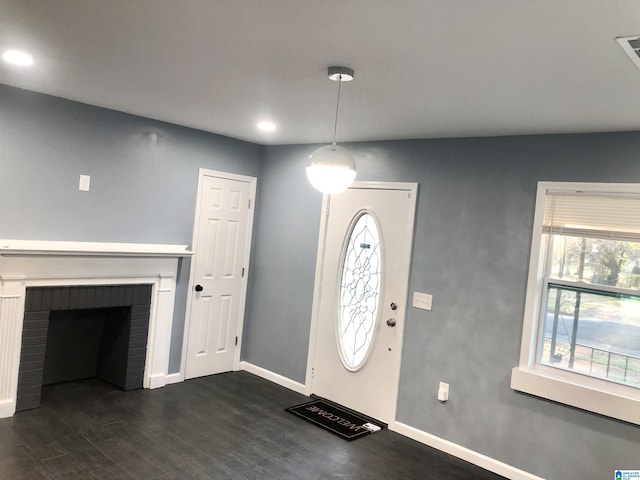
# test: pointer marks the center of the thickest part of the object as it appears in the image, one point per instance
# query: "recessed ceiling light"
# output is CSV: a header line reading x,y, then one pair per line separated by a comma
x,y
267,126
17,58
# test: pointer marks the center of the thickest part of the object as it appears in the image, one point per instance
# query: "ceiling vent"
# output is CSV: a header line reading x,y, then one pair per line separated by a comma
x,y
631,46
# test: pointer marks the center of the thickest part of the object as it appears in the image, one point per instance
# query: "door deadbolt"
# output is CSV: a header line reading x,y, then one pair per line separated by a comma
x,y
394,306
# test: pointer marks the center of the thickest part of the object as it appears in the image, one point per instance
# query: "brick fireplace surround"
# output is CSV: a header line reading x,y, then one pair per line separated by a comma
x,y
26,264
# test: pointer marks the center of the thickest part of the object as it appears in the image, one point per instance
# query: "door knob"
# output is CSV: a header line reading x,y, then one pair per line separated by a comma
x,y
199,288
391,322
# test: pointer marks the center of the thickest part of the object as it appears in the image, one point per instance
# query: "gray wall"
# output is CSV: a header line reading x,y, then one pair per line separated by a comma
x,y
471,251
141,191
276,331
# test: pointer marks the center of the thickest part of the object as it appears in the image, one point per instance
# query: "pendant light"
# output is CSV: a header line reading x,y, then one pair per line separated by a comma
x,y
331,169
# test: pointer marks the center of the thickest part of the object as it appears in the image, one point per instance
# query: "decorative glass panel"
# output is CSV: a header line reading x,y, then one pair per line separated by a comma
x,y
359,291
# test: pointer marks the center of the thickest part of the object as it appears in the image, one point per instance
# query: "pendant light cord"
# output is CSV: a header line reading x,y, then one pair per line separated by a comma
x,y
335,124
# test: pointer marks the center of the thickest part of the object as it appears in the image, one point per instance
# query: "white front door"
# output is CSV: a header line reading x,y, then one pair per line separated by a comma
x,y
222,238
361,293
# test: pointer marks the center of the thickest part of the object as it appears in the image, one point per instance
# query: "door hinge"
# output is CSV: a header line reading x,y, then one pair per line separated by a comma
x,y
242,272
236,341
313,372
249,206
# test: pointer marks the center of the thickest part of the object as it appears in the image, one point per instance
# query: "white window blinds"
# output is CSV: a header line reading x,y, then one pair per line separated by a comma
x,y
593,214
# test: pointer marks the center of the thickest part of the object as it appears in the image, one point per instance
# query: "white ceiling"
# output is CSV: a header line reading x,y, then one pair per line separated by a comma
x,y
424,68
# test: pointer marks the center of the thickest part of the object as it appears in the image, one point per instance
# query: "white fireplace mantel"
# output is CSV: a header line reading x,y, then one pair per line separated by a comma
x,y
28,263
101,249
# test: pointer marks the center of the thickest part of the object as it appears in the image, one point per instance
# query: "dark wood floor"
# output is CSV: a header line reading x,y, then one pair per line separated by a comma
x,y
229,426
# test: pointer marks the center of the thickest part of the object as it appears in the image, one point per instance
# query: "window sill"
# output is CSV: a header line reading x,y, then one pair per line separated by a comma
x,y
615,401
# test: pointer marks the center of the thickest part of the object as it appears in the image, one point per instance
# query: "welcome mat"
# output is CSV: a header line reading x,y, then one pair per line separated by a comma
x,y
334,418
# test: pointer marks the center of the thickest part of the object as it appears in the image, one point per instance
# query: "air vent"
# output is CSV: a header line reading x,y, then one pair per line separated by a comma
x,y
631,46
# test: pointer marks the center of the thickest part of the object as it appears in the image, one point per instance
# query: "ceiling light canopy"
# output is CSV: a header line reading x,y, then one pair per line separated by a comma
x,y
332,169
17,57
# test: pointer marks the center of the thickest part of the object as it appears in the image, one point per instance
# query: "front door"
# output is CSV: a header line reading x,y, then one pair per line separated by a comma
x,y
222,236
360,305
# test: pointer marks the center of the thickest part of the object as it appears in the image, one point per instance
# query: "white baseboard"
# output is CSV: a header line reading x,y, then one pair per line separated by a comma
x,y
273,377
174,378
464,453
7,408
156,381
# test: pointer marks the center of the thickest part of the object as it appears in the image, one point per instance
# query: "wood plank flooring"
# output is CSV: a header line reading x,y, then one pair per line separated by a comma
x,y
229,426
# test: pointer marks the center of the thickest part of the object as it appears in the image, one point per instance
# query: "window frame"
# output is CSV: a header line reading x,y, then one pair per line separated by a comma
x,y
575,389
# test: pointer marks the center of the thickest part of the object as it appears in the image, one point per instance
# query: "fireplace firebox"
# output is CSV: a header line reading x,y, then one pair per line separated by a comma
x,y
71,333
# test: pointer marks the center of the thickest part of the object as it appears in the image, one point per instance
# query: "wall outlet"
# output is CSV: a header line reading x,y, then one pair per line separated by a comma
x,y
443,392
422,300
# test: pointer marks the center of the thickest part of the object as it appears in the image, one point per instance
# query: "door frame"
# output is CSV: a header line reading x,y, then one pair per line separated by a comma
x,y
412,189
252,181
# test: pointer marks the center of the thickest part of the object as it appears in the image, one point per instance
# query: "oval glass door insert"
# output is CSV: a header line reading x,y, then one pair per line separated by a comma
x,y
359,291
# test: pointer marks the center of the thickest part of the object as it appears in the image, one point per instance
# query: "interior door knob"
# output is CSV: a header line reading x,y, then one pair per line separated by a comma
x,y
391,322
199,288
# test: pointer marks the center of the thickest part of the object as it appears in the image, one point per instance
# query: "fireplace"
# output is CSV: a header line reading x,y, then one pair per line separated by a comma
x,y
127,289
73,333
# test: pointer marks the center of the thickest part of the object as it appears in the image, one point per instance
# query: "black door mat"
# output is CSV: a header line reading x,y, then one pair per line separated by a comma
x,y
336,419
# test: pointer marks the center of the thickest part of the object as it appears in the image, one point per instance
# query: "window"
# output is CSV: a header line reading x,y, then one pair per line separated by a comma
x,y
359,292
581,336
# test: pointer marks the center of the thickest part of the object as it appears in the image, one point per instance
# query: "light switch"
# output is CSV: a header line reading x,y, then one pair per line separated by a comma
x,y
443,392
422,300
84,184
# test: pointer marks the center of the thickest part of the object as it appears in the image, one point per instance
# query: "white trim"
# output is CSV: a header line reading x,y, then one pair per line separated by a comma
x,y
588,393
315,307
247,261
252,181
173,378
412,189
273,377
102,249
7,408
463,453
159,344
534,283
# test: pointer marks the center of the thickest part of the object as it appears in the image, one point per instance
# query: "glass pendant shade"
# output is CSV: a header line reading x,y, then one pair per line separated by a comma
x,y
331,169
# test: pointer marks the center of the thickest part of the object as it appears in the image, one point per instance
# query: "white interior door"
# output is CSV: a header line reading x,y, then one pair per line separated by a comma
x,y
222,238
361,294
